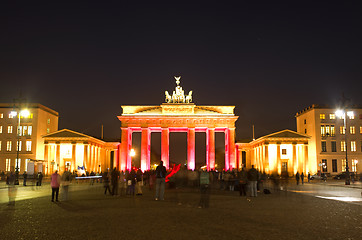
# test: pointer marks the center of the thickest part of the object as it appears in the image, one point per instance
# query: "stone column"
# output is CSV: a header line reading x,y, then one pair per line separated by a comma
x,y
227,149
305,162
232,158
57,161
85,158
210,148
266,155
73,167
124,149
46,158
165,147
145,149
279,166
191,148
294,158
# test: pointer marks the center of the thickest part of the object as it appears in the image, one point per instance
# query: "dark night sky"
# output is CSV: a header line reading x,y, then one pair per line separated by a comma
x,y
85,60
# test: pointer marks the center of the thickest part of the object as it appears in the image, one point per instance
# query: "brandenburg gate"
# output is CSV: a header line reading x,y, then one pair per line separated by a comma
x,y
177,114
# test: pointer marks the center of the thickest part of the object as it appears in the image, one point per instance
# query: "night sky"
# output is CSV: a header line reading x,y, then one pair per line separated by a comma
x,y
85,60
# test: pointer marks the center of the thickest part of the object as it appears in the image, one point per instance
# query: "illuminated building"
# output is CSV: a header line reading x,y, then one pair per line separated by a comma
x,y
40,121
284,151
70,150
177,114
327,146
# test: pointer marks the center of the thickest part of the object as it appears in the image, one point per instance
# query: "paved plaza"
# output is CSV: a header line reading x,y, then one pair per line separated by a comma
x,y
293,214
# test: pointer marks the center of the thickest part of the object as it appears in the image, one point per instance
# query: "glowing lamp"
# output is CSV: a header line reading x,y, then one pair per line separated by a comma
x,y
340,113
350,114
132,153
13,113
25,113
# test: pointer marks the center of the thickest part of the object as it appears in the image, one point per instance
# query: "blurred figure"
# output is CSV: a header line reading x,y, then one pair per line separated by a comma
x,y
243,180
105,178
139,177
25,177
12,190
297,177
40,179
308,177
204,189
160,181
55,184
65,185
131,182
253,180
302,177
114,179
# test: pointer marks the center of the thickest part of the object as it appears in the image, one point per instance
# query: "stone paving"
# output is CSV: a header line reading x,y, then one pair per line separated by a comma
x,y
89,214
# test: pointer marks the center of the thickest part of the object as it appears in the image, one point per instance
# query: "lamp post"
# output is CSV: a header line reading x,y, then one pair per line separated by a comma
x,y
24,113
344,114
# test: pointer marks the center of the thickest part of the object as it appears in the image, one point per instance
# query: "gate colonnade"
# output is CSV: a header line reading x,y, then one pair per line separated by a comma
x,y
177,117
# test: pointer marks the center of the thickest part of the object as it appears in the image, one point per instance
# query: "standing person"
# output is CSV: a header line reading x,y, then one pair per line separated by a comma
x,y
243,180
253,180
160,181
297,178
12,190
25,177
204,189
308,177
139,177
302,177
55,183
105,178
40,178
114,179
131,182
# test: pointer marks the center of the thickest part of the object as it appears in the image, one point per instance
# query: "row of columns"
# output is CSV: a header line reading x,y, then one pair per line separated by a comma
x,y
126,146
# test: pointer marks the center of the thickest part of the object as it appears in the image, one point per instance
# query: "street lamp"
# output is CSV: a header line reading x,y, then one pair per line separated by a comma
x,y
344,114
22,113
132,153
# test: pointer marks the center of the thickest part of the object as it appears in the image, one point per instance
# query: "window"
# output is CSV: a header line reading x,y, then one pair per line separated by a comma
x,y
11,115
1,129
334,165
305,121
8,146
10,129
7,164
25,130
28,146
284,151
343,165
334,146
0,145
1,115
360,130
328,130
26,165
353,146
350,115
333,131
343,146
305,131
322,116
30,128
17,164
324,146
352,130
48,121
19,130
354,165
48,130
324,165
18,146
332,116
342,130
323,130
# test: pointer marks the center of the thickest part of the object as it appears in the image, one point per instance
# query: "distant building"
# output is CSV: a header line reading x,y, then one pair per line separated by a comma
x,y
327,144
38,120
73,151
281,152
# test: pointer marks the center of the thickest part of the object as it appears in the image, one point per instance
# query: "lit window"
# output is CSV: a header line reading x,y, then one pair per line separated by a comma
x,y
328,130
8,146
48,130
332,116
322,116
48,121
1,129
323,130
360,130
25,130
350,115
30,128
354,165
18,146
0,145
17,164
343,165
28,146
10,129
352,130
26,165
333,131
7,165
11,115
342,130
353,146
343,146
19,130
284,151
1,115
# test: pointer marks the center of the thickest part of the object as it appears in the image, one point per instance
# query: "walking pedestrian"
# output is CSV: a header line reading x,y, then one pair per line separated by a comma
x,y
308,177
40,178
297,177
25,177
253,180
65,185
302,177
55,183
114,179
243,180
105,178
160,181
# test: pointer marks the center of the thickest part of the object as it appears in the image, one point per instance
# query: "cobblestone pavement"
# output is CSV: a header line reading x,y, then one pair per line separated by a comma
x,y
89,214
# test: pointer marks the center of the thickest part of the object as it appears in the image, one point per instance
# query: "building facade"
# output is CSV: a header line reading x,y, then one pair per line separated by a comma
x,y
21,134
277,153
330,140
67,150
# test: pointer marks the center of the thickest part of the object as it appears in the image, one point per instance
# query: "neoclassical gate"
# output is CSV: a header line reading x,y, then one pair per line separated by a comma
x,y
177,114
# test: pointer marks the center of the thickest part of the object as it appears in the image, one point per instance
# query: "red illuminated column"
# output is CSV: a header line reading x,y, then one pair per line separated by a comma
x,y
227,149
165,147
145,149
191,148
232,157
210,148
124,149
